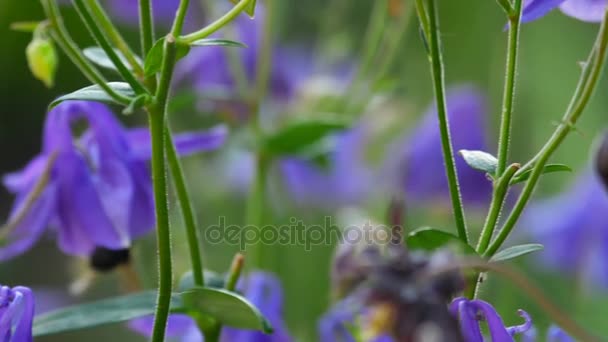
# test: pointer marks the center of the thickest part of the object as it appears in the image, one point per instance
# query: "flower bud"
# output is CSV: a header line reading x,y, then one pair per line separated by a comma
x,y
601,159
42,59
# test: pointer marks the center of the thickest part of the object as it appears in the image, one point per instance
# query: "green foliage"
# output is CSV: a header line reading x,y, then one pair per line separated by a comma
x,y
430,239
96,93
549,168
96,55
301,137
516,251
113,310
228,308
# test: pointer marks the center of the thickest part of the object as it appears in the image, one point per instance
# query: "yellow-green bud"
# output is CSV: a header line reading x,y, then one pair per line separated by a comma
x,y
42,59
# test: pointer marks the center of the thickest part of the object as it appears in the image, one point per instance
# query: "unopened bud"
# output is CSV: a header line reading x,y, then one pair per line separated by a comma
x,y
42,59
104,260
601,159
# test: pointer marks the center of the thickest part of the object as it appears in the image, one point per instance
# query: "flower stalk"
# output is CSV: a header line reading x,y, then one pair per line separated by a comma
x,y
435,58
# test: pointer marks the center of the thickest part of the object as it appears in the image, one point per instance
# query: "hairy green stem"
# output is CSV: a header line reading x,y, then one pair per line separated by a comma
x,y
157,114
437,70
63,38
85,14
596,62
498,197
218,24
188,215
115,37
509,89
146,26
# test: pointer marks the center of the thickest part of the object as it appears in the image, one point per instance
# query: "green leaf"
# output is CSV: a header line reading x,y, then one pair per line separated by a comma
x,y
96,55
516,251
297,137
96,93
217,42
250,10
430,239
226,307
154,59
137,103
480,160
113,310
212,279
549,168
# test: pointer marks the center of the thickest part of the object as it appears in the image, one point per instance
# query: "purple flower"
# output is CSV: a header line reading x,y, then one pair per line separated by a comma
x,y
585,10
94,189
471,312
16,314
348,180
210,70
262,289
336,324
573,227
417,161
127,11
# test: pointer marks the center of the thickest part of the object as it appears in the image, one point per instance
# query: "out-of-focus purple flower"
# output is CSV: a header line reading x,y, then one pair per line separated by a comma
x,y
471,312
94,189
262,289
347,180
585,10
210,70
16,314
417,161
554,334
127,11
573,227
337,324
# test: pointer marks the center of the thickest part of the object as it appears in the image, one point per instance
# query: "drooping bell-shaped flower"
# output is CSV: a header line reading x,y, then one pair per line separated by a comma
x,y
262,289
573,227
416,162
585,10
16,314
470,313
93,189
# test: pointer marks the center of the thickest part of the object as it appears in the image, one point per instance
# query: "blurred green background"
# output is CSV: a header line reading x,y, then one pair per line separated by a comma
x,y
474,46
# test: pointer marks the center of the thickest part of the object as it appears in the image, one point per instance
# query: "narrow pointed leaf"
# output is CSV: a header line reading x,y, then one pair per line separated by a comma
x,y
516,251
250,10
217,42
154,59
549,168
96,55
480,160
107,311
430,239
226,307
96,93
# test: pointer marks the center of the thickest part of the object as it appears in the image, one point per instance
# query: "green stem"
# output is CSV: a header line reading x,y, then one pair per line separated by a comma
x,y
372,37
186,207
235,272
509,89
265,55
437,70
115,37
146,26
178,23
62,37
498,198
218,24
423,17
596,63
506,6
157,114
85,14
255,205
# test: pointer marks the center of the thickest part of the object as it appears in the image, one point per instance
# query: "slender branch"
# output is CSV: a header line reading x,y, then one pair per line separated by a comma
x,y
596,63
115,37
178,23
86,16
498,198
216,25
265,55
186,207
506,6
437,70
63,38
157,114
509,89
146,26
